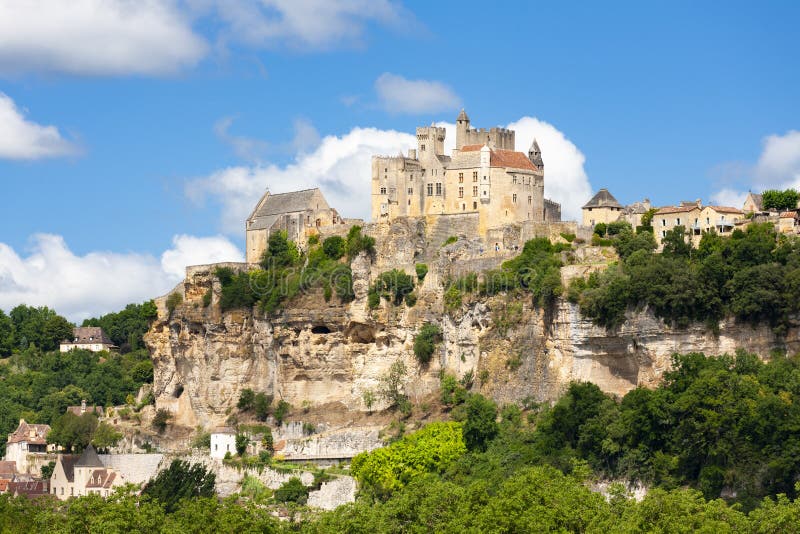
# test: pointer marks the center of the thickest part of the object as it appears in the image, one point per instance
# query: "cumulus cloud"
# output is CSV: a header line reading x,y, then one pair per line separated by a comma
x,y
778,167
97,37
339,165
401,95
24,139
99,282
565,179
302,24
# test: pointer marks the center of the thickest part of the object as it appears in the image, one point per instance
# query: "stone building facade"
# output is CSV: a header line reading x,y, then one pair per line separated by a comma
x,y
484,175
91,338
299,213
697,220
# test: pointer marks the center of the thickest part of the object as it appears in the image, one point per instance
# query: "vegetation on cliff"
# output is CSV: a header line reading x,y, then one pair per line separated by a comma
x,y
753,275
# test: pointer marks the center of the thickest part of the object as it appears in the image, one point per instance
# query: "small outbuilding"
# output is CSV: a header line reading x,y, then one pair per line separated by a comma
x,y
223,440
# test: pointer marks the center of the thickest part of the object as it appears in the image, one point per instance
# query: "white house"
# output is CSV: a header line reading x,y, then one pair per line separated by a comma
x,y
26,444
91,338
223,440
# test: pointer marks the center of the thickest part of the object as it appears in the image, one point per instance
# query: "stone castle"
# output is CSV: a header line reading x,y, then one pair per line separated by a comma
x,y
485,175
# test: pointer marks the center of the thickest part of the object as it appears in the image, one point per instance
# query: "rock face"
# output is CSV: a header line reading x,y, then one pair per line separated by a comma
x,y
327,353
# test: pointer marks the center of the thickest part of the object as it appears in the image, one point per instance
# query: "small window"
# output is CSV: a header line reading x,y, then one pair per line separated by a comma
x,y
530,199
460,192
430,190
383,190
475,191
663,233
663,222
514,198
386,169
678,221
474,205
438,189
475,176
461,177
422,148
410,190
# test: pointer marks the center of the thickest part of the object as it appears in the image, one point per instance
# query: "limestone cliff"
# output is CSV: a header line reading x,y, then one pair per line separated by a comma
x,y
317,353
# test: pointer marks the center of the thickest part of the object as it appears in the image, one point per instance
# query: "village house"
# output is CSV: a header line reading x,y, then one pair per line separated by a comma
x,y
753,203
788,222
697,220
27,446
91,338
98,411
223,440
484,175
604,208
28,488
299,213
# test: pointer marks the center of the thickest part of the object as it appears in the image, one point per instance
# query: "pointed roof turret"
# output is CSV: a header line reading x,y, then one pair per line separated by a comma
x,y
462,116
603,199
89,458
535,154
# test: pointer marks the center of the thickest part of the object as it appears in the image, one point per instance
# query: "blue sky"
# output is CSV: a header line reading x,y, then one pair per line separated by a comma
x,y
131,135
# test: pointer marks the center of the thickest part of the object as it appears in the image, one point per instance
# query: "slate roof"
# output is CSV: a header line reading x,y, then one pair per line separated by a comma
x,y
101,478
273,206
97,410
68,462
89,458
504,158
31,488
603,199
89,334
29,433
223,430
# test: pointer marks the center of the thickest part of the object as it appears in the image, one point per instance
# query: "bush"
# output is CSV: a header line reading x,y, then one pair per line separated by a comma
x,y
569,238
281,411
357,243
207,296
600,229
394,285
334,247
292,490
246,400
773,199
422,271
241,444
161,419
181,480
262,405
313,239
173,301
452,299
411,299
450,240
425,342
373,299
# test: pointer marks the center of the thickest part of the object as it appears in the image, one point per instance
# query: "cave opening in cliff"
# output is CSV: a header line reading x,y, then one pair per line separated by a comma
x,y
320,329
178,391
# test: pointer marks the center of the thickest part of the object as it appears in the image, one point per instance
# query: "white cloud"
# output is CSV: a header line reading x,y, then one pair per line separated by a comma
x,y
247,148
565,179
96,37
340,166
302,24
23,139
778,167
99,282
401,95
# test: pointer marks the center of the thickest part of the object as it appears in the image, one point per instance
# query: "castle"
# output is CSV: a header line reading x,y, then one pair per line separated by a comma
x,y
484,175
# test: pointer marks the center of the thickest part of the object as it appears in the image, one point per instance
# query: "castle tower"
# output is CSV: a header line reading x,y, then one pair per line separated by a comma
x,y
462,125
430,141
535,155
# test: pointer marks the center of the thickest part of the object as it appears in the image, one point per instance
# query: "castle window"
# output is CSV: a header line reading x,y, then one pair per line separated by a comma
x,y
385,169
463,207
708,220
475,191
513,179
430,190
438,189
460,192
678,221
530,199
474,205
663,222
410,190
514,198
409,201
383,190
663,233
475,176
461,177
422,148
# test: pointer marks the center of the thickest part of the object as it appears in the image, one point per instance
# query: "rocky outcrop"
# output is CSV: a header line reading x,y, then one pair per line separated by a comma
x,y
316,353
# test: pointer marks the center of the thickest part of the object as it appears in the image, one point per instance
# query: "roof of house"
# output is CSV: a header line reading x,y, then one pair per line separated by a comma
x,y
504,158
89,334
638,207
101,478
68,462
80,410
29,488
788,214
725,209
223,430
676,209
271,206
758,200
603,199
89,458
29,433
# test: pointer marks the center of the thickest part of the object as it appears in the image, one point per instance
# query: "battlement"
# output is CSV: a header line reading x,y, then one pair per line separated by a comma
x,y
502,138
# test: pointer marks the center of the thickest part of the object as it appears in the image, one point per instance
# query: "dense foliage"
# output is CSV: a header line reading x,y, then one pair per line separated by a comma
x,y
127,327
286,272
425,342
180,480
773,199
754,275
27,326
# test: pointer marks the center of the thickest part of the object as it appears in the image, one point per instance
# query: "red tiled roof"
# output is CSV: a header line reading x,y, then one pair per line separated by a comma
x,y
726,209
504,158
7,468
29,433
676,209
788,214
101,478
30,488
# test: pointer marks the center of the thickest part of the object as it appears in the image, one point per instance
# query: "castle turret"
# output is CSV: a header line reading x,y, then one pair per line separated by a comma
x,y
462,126
535,155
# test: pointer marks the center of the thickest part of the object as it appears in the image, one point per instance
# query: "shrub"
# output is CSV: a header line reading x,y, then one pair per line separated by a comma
x,y
241,444
450,240
334,247
452,299
514,362
394,285
357,243
281,252
292,490
207,298
373,299
309,428
181,480
161,419
391,384
174,300
569,238
281,411
422,271
425,342
262,404
313,239
411,299
600,229
246,400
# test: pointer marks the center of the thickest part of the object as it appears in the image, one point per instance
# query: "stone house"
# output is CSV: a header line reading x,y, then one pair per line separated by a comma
x,y
484,175
299,213
601,208
99,411
91,338
788,222
223,440
753,203
697,220
25,444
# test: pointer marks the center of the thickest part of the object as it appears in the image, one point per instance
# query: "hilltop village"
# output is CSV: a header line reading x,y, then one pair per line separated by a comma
x,y
303,355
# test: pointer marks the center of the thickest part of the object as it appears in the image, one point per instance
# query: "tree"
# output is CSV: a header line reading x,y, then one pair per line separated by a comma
x,y
773,199
40,327
280,251
262,405
281,411
369,399
357,243
242,441
675,243
246,400
480,426
161,419
425,342
293,490
6,335
334,247
181,480
394,285
105,436
391,384
73,432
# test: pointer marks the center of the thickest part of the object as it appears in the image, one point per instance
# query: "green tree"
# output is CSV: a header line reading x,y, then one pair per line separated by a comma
x,y
773,199
246,400
161,419
394,285
73,432
281,411
293,490
262,405
6,335
675,243
181,480
480,425
105,436
334,247
241,444
425,342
